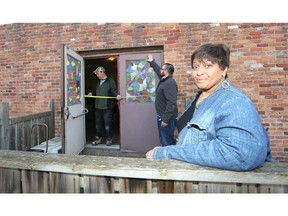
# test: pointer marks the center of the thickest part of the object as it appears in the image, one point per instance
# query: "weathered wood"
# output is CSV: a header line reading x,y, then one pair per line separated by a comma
x,y
51,118
184,187
96,184
4,125
64,183
133,185
270,173
29,117
165,186
99,174
22,135
35,182
274,189
16,133
208,187
10,180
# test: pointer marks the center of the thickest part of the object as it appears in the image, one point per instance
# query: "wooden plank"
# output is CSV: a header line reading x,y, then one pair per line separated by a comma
x,y
64,183
35,182
96,184
208,187
183,187
149,186
12,138
29,117
165,186
4,125
132,185
26,135
10,181
249,188
141,168
21,135
114,185
273,189
51,118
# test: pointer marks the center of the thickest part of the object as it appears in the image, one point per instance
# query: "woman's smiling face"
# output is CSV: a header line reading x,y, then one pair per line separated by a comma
x,y
207,75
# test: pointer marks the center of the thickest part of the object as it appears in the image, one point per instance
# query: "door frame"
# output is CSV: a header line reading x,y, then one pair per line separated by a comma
x,y
103,53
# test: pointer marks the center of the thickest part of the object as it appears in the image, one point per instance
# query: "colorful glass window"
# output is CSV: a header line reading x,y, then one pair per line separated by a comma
x,y
140,81
73,75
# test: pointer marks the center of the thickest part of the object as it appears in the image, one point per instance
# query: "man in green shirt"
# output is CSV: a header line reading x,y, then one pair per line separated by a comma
x,y
105,87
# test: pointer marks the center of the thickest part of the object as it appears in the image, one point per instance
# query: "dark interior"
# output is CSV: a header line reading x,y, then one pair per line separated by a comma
x,y
110,64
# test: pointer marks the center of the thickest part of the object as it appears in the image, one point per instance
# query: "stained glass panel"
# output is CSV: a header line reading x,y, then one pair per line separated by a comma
x,y
73,76
140,81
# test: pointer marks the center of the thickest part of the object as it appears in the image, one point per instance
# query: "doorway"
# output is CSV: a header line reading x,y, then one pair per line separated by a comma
x,y
110,64
135,126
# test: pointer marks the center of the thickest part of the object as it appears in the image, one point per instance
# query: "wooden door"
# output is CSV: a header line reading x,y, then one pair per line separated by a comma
x,y
138,119
74,110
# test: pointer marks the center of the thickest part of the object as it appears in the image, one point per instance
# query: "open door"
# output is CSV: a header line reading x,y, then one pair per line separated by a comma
x,y
74,107
138,119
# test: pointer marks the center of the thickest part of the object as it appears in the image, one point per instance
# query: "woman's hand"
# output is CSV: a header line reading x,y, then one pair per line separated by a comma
x,y
150,153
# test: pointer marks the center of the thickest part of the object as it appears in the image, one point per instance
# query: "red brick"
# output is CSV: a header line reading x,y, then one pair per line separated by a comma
x,y
31,64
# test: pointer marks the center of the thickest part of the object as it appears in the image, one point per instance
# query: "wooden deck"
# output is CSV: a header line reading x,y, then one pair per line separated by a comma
x,y
30,172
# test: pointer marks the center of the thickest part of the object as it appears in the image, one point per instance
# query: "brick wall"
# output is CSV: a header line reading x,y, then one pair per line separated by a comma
x,y
30,62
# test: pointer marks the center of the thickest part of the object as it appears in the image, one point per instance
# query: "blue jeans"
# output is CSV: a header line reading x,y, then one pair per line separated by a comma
x,y
104,122
166,134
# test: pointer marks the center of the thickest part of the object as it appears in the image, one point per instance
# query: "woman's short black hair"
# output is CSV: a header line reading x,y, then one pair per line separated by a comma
x,y
216,53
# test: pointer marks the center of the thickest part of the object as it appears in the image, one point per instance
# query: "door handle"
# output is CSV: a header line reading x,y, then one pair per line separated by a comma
x,y
67,113
85,111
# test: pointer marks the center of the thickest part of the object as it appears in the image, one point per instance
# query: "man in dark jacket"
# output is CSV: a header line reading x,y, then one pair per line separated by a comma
x,y
166,101
107,93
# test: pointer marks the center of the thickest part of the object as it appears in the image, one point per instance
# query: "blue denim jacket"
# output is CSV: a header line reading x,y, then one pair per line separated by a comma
x,y
225,132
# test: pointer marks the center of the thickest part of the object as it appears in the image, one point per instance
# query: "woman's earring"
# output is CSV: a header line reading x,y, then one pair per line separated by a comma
x,y
225,84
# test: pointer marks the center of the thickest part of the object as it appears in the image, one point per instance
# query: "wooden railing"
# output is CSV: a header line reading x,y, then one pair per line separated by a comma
x,y
22,133
31,172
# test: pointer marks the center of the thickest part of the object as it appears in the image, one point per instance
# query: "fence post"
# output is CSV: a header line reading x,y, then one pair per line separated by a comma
x,y
4,125
52,118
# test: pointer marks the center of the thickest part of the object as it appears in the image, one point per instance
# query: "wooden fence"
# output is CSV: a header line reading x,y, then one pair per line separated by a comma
x,y
22,133
32,172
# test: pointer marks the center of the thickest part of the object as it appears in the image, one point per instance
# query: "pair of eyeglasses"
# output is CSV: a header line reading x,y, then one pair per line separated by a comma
x,y
98,72
162,69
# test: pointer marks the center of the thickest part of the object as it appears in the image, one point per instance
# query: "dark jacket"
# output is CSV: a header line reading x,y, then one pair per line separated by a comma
x,y
166,96
108,88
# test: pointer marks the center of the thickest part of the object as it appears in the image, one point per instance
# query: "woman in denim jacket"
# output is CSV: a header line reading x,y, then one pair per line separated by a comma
x,y
220,127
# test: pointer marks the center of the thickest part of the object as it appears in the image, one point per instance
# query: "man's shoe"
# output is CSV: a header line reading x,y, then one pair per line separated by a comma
x,y
97,141
109,142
